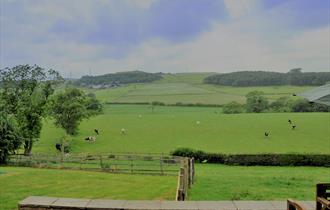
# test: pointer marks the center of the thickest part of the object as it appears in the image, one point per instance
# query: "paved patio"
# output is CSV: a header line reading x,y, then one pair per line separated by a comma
x,y
41,203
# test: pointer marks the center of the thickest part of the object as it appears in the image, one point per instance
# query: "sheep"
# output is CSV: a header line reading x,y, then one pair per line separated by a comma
x,y
123,131
96,131
289,121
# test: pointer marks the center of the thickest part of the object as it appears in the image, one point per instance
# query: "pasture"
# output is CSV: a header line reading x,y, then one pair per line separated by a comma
x,y
220,182
167,128
18,183
188,88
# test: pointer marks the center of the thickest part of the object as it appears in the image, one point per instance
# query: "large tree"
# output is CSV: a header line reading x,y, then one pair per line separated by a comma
x,y
10,139
25,93
70,107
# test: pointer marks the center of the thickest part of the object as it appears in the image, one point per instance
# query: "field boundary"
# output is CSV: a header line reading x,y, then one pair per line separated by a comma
x,y
112,163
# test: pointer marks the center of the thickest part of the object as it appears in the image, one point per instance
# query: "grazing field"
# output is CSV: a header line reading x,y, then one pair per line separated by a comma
x,y
219,182
188,88
167,128
19,183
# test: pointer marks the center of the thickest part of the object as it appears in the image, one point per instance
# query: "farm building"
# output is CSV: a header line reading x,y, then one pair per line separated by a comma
x,y
319,95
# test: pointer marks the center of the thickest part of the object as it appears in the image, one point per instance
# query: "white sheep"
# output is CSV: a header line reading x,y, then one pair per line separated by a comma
x,y
123,131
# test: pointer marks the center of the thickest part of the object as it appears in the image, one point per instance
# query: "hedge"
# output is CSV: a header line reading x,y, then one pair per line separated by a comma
x,y
255,159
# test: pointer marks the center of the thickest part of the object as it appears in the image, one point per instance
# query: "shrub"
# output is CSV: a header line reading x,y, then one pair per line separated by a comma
x,y
256,159
233,108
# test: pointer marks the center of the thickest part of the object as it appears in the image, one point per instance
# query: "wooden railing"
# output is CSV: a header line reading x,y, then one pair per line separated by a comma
x,y
323,196
186,178
322,199
112,163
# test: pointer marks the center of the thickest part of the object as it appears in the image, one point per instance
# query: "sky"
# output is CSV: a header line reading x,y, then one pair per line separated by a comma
x,y
80,37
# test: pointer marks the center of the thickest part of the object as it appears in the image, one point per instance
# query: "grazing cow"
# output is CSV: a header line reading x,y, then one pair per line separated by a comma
x,y
96,131
58,146
90,138
289,121
267,133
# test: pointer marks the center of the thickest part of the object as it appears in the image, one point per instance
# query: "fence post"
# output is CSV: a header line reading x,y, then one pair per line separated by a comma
x,y
192,170
101,163
131,165
161,165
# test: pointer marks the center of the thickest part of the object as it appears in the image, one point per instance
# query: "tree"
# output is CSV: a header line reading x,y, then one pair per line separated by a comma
x,y
9,136
70,107
256,102
26,90
281,104
233,108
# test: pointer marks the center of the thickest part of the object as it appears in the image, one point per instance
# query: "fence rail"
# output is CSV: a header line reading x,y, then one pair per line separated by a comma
x,y
112,163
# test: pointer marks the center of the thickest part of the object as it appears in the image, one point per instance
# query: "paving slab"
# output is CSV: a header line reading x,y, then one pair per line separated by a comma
x,y
104,204
279,205
216,205
38,201
70,202
253,205
150,205
179,205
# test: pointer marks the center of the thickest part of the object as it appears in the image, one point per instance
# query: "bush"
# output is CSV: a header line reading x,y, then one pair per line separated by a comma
x,y
255,159
233,108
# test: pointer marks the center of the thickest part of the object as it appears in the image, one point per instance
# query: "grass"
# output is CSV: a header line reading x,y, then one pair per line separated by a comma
x,y
219,182
188,88
168,128
19,183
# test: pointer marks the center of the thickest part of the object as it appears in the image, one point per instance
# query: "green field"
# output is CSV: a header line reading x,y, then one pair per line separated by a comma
x,y
219,182
188,88
19,183
168,128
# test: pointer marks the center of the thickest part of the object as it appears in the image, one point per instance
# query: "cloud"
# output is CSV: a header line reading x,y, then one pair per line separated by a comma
x,y
157,35
240,8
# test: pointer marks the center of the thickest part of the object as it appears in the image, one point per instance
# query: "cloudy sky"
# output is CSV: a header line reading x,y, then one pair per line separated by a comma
x,y
103,36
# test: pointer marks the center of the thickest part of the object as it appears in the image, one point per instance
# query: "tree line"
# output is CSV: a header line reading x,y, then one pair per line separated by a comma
x,y
119,78
263,78
256,102
27,96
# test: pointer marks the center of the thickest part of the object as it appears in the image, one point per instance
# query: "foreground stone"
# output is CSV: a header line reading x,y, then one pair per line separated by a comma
x,y
51,203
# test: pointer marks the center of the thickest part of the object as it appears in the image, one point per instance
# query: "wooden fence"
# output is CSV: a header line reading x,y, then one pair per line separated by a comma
x,y
112,163
118,163
186,178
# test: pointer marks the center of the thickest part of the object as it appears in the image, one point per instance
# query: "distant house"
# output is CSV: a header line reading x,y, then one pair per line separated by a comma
x,y
319,95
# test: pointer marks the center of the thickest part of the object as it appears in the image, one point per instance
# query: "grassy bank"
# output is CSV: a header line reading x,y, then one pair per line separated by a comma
x,y
18,183
219,182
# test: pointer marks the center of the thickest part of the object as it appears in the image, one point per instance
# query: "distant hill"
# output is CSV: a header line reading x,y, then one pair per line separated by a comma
x,y
119,78
263,78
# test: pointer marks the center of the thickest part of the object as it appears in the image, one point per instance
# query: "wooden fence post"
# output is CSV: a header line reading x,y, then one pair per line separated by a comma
x,y
101,163
161,165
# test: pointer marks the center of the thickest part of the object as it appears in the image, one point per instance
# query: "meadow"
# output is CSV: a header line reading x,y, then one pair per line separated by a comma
x,y
167,128
256,182
18,183
188,88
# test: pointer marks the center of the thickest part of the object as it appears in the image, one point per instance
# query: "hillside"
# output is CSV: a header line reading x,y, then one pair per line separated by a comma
x,y
116,79
188,88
